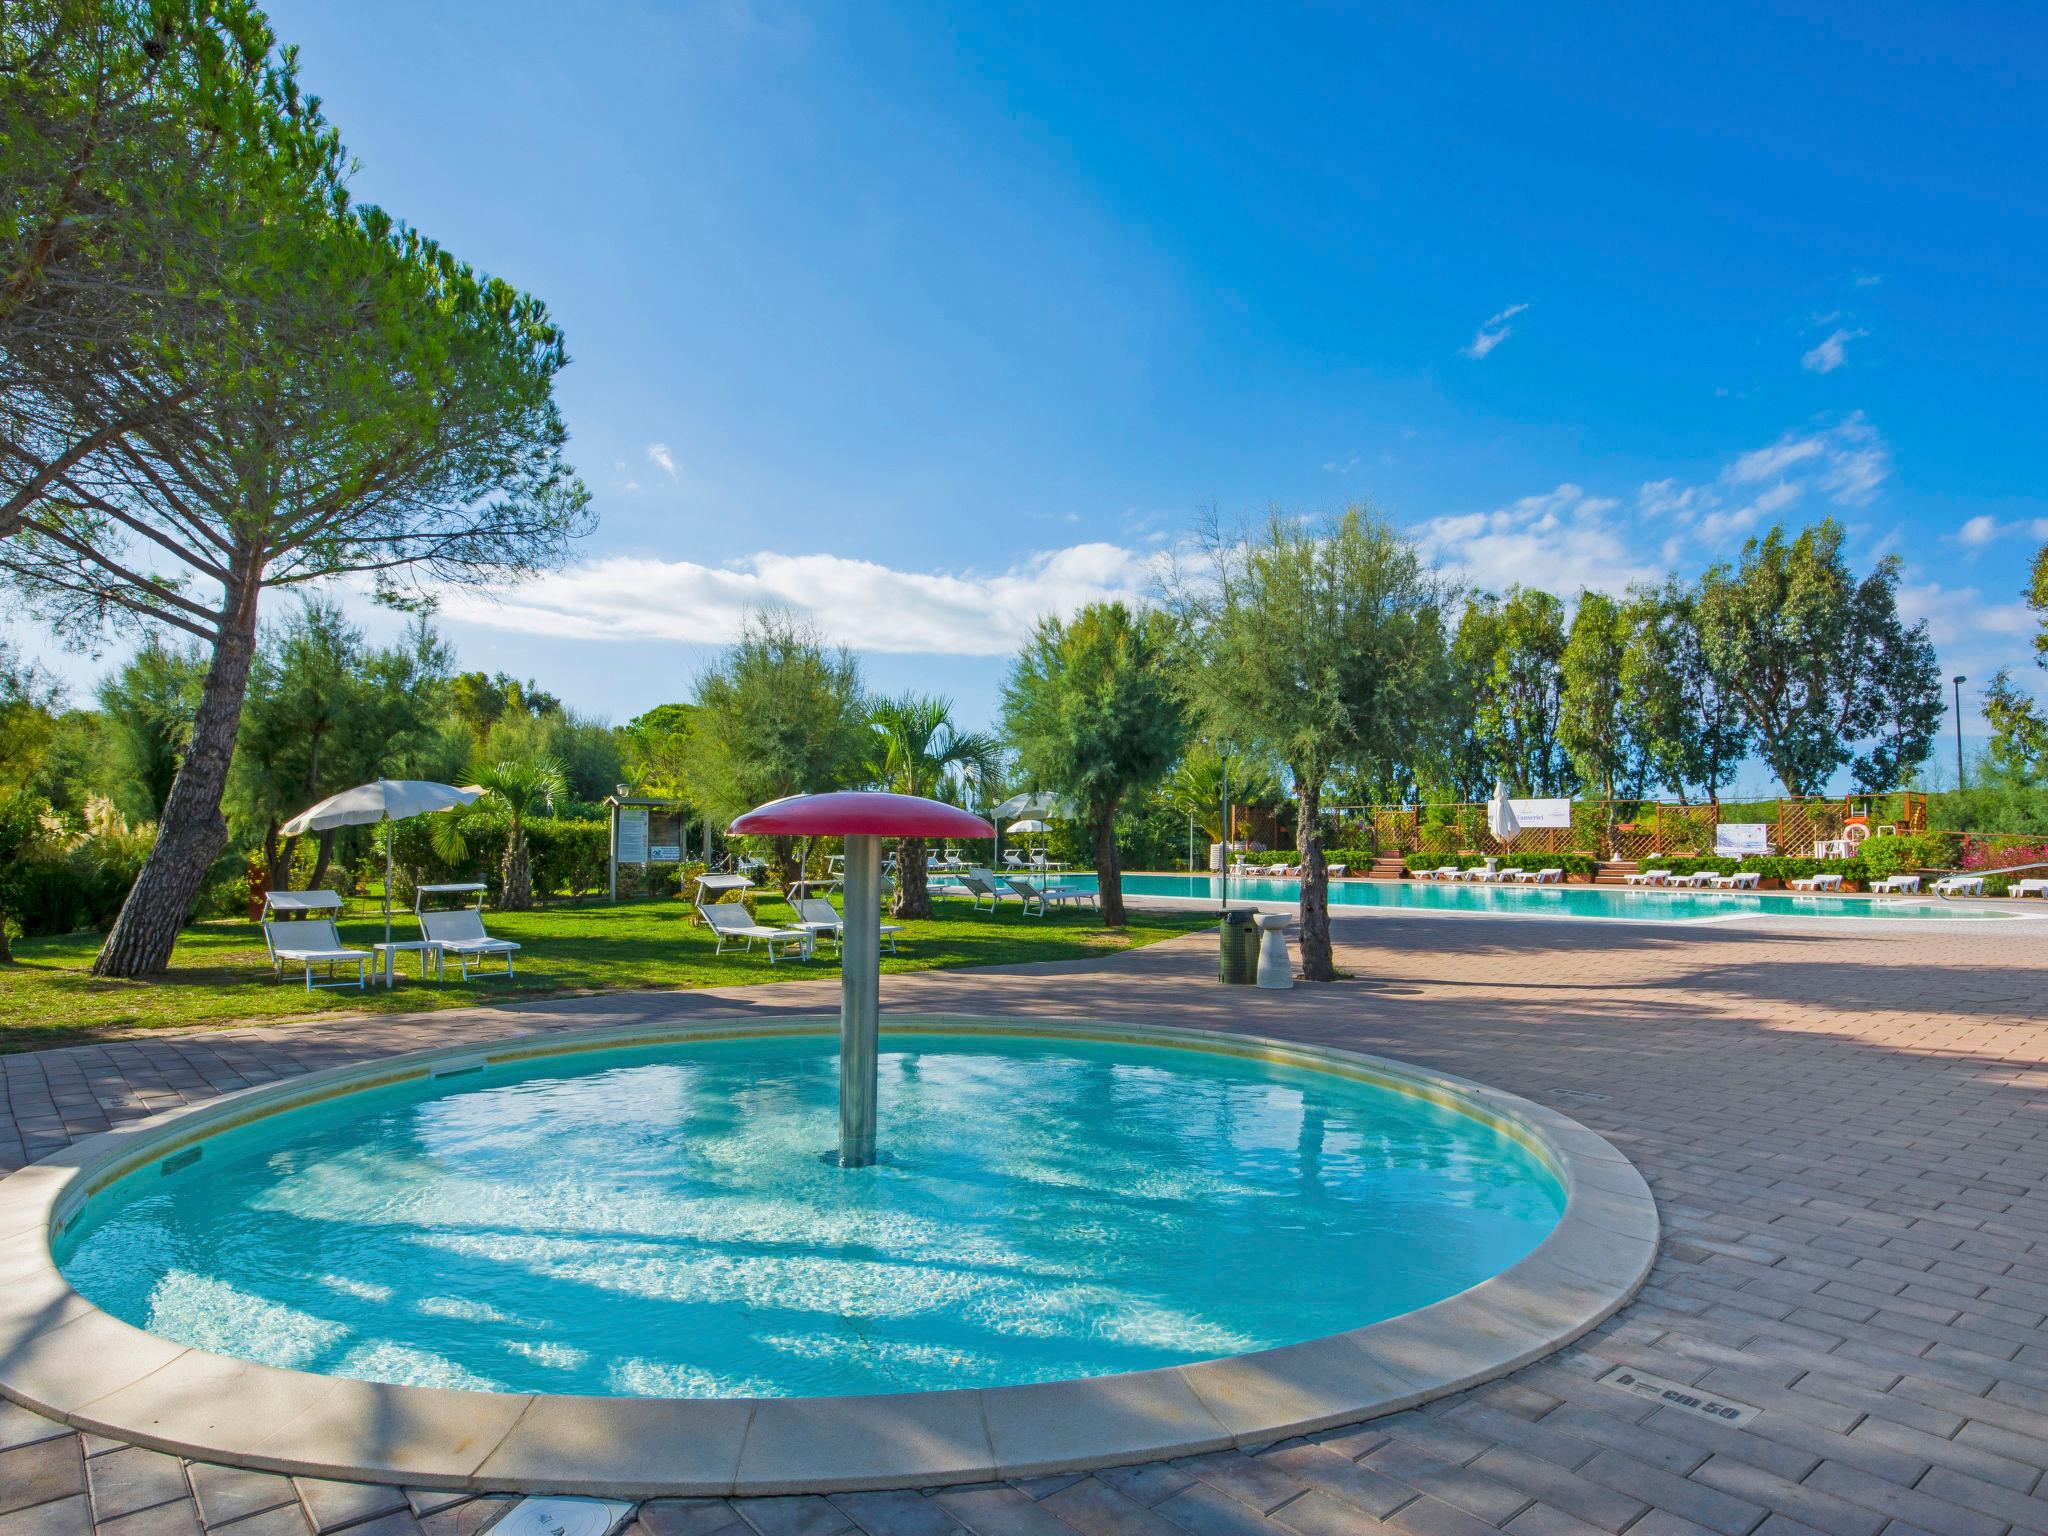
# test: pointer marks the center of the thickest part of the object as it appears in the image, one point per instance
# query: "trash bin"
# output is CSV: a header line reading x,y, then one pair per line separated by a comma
x,y
1238,949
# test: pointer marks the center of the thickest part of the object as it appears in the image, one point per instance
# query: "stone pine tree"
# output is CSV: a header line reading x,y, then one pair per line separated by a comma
x,y
1091,712
1821,662
1321,643
154,153
393,419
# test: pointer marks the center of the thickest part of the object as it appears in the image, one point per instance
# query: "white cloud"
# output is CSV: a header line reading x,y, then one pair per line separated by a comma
x,y
1341,466
1493,332
1978,531
1830,354
1561,541
858,603
1566,539
1848,461
659,456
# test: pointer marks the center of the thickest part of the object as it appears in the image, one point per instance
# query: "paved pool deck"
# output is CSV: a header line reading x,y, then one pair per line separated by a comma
x,y
1846,1131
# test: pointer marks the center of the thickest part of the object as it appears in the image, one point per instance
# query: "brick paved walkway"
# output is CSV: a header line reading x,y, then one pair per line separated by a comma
x,y
1847,1132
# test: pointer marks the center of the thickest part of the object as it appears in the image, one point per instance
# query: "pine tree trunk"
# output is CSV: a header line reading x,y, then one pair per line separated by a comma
x,y
1317,963
277,857
913,889
1109,879
192,831
516,873
322,861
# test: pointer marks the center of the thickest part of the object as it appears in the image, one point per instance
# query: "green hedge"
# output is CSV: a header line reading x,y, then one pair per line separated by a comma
x,y
568,857
1904,853
1351,858
1570,863
1775,866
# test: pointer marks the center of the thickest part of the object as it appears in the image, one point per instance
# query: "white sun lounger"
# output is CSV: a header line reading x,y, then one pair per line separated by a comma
x,y
1647,877
1044,898
979,885
1896,885
1699,879
1549,874
1815,883
461,933
731,920
821,920
1741,880
1960,885
310,941
2028,888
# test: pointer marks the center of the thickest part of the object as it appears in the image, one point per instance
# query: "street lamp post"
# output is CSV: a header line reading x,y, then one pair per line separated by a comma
x,y
1959,681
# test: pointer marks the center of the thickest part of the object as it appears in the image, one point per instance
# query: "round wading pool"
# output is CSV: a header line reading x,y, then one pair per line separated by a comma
x,y
647,1217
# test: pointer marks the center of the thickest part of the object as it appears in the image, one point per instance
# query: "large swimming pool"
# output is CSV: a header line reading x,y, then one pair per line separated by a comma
x,y
1624,902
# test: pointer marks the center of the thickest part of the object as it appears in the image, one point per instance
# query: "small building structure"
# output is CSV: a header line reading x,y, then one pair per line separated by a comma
x,y
648,834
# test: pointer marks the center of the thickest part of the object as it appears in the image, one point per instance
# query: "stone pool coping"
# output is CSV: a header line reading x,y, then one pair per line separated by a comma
x,y
65,1358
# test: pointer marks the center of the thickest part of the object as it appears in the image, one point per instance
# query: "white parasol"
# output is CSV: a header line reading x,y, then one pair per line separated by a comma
x,y
384,800
1500,814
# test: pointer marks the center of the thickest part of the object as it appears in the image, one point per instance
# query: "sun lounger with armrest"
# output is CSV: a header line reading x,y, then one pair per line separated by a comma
x,y
731,920
1044,898
819,918
461,933
311,940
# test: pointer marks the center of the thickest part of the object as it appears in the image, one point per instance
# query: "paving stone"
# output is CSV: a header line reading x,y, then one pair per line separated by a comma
x,y
179,1518
229,1493
470,1518
36,1474
700,1517
332,1506
1094,1508
18,1426
799,1515
131,1479
278,1520
1148,1483
882,1514
59,1517
999,1511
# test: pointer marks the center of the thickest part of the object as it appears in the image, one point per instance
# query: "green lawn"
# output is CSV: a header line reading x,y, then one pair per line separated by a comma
x,y
220,974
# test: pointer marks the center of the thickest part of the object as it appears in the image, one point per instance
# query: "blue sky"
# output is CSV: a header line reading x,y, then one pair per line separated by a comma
x,y
929,318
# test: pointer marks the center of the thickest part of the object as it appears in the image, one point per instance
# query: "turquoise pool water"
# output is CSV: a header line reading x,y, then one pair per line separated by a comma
x,y
657,1222
1645,905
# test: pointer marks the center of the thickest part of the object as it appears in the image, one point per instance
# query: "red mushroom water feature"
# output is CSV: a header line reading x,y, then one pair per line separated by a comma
x,y
863,818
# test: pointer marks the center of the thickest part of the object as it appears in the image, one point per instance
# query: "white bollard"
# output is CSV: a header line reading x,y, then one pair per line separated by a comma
x,y
1276,971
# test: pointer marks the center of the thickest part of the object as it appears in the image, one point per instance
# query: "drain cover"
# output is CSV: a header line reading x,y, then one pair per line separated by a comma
x,y
1675,1394
561,1517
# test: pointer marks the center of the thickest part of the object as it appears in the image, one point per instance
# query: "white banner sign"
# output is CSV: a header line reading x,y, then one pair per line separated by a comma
x,y
1542,813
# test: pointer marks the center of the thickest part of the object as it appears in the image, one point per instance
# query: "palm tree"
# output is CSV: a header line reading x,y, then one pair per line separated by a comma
x,y
1196,786
521,789
920,751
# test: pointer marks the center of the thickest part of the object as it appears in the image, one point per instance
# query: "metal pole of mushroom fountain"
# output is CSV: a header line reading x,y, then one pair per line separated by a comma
x,y
860,999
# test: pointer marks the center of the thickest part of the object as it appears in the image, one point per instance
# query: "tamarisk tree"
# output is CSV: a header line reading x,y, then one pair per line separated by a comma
x,y
1821,662
1321,644
395,422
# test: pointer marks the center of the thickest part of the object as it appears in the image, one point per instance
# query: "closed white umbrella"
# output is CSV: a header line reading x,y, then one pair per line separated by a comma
x,y
384,800
1500,814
